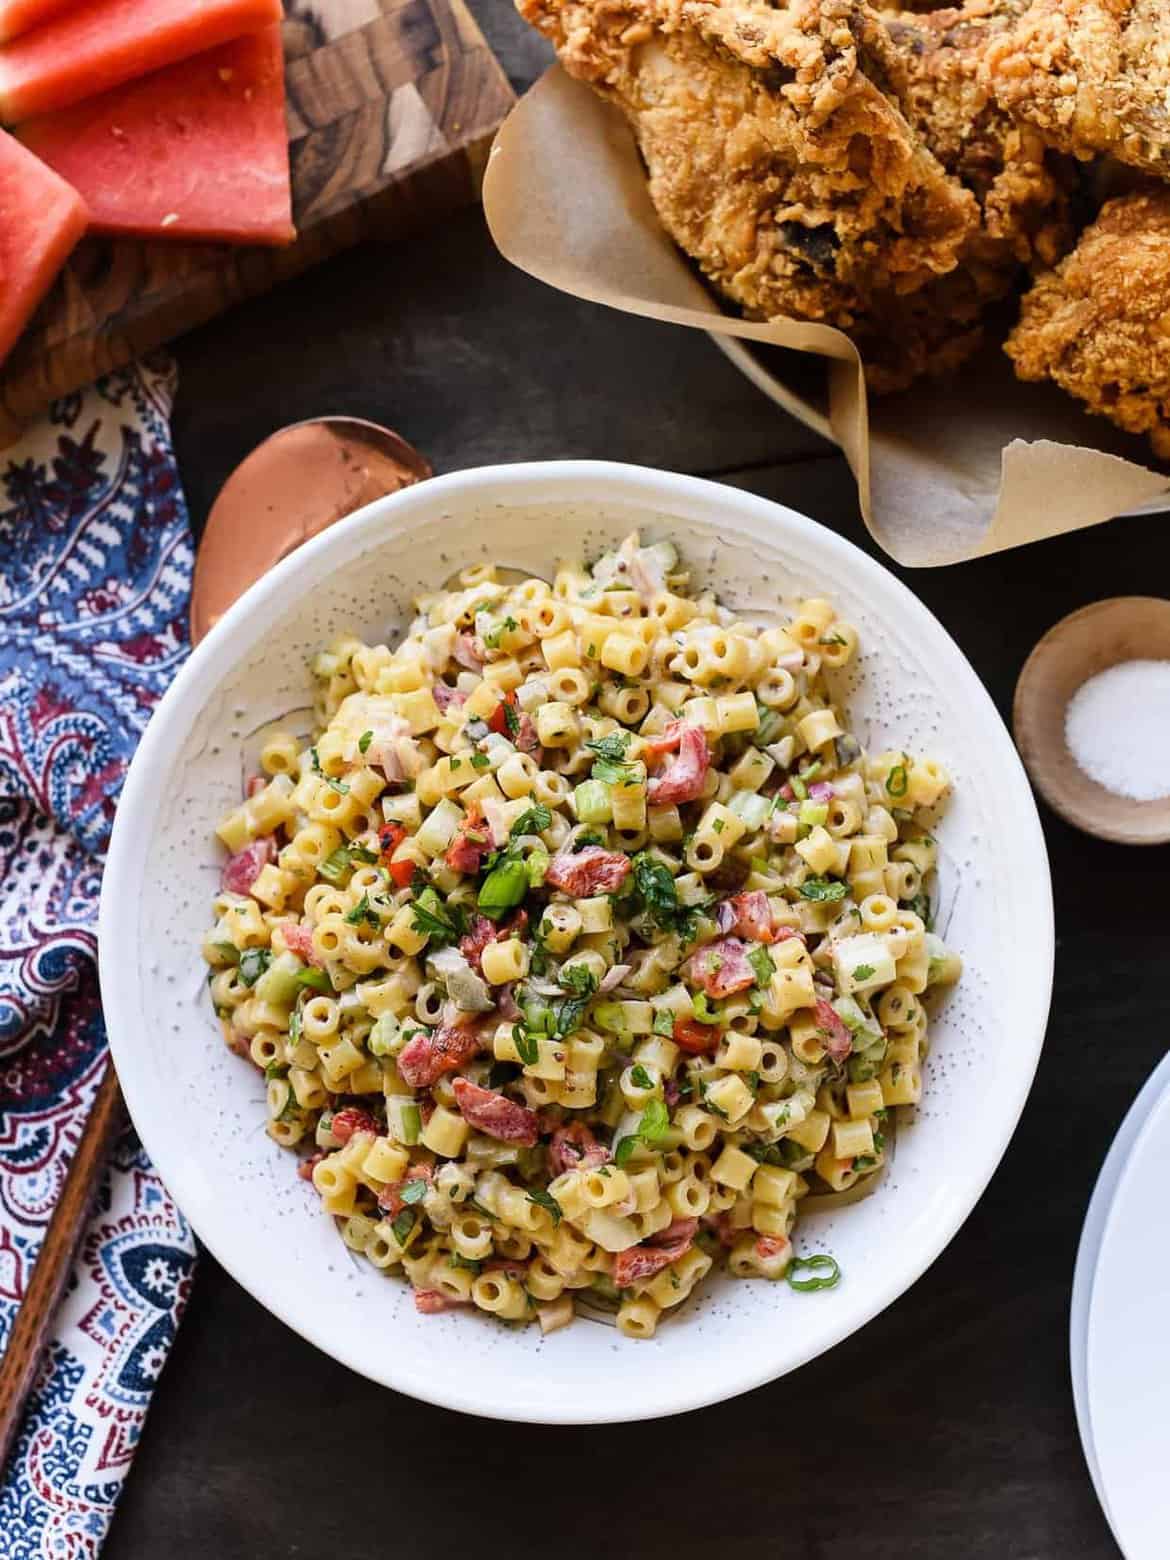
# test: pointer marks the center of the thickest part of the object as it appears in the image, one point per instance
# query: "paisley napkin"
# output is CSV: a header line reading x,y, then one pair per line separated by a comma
x,y
95,573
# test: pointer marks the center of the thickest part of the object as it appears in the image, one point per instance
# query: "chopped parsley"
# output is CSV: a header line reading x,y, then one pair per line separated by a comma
x,y
492,638
578,978
253,963
921,907
897,781
403,1225
654,887
363,911
823,890
640,1078
480,761
511,719
548,1202
533,820
653,1124
762,966
364,741
664,1023
527,1045
863,972
612,747
442,924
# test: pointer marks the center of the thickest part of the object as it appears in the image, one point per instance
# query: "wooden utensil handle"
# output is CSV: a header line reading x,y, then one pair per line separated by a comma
x,y
30,1331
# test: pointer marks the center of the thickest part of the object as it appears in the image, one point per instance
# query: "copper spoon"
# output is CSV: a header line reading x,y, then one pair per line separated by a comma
x,y
299,481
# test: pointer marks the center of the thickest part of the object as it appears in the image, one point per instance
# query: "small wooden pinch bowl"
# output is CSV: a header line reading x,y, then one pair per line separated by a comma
x,y
1121,628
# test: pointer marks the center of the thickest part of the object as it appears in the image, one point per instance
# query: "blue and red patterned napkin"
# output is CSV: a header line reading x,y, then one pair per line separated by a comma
x,y
95,576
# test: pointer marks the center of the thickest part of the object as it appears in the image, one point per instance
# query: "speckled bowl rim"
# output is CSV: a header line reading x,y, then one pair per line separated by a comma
x,y
592,482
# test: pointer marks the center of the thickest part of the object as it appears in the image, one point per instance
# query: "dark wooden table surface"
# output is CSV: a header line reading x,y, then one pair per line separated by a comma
x,y
944,1428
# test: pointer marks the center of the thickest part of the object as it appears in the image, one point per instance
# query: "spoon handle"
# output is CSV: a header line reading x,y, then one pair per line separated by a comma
x,y
30,1331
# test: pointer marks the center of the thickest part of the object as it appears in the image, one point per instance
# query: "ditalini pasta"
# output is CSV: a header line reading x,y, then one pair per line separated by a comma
x,y
583,942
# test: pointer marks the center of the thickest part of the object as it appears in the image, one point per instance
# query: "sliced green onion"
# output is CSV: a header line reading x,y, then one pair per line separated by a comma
x,y
827,1274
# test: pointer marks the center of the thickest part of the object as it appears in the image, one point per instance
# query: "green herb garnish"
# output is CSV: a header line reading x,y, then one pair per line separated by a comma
x,y
413,1191
364,741
640,1078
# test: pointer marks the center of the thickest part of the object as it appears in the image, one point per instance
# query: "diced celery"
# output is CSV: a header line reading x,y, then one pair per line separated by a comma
x,y
610,1016
751,808
337,867
403,1121
813,813
592,802
536,866
385,1039
279,983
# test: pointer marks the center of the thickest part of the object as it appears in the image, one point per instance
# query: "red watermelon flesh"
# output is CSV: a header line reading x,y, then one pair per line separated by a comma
x,y
41,218
19,16
102,43
199,150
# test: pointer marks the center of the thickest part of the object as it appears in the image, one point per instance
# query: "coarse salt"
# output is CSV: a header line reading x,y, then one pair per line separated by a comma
x,y
1117,727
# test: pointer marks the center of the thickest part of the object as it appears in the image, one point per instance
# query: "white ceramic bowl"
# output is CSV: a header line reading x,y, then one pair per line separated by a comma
x,y
199,1109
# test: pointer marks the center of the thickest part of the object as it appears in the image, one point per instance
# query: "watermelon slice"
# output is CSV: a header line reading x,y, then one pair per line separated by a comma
x,y
41,219
18,16
102,43
199,150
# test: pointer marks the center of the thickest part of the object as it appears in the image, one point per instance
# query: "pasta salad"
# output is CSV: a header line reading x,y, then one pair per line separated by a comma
x,y
583,942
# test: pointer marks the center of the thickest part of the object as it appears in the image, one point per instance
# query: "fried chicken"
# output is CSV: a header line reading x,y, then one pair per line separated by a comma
x,y
1099,324
793,181
933,66
1093,76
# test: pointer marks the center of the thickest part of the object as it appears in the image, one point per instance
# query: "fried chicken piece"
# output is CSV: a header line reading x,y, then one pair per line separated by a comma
x,y
773,160
933,66
1093,76
1099,324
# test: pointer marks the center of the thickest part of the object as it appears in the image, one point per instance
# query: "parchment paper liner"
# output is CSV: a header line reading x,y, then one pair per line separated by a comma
x,y
941,470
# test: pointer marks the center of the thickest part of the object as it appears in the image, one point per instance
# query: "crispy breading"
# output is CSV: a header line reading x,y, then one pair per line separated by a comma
x,y
1099,324
773,160
1023,189
1093,76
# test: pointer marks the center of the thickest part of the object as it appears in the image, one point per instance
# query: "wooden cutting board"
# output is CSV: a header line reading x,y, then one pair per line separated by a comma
x,y
392,105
